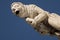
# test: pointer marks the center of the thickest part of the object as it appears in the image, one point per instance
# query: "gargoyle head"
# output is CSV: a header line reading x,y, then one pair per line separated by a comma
x,y
18,9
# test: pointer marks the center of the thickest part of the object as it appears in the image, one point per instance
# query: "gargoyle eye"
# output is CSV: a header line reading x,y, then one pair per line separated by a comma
x,y
13,9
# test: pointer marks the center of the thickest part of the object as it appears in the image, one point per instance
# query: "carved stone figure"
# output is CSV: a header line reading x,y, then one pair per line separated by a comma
x,y
42,21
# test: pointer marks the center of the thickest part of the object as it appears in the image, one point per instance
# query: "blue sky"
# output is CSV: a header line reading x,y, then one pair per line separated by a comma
x,y
14,28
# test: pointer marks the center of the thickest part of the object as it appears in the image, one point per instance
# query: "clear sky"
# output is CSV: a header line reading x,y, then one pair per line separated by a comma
x,y
15,28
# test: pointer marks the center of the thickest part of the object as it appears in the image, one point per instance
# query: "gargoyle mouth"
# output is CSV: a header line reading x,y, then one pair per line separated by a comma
x,y
17,12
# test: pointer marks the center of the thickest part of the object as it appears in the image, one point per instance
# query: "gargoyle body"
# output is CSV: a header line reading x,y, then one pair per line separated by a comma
x,y
42,21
